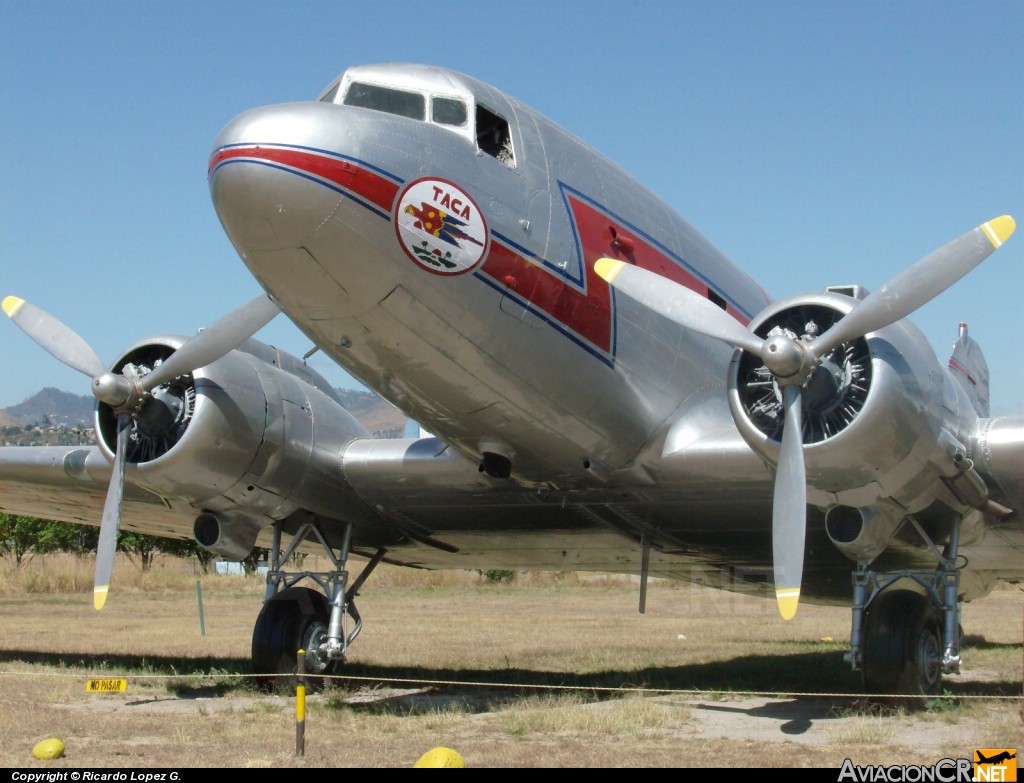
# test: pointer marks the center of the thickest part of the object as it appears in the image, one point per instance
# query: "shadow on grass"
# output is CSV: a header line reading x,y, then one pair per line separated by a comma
x,y
97,664
976,642
818,680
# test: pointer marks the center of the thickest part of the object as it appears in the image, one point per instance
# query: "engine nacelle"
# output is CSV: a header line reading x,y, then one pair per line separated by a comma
x,y
232,536
862,534
877,414
247,440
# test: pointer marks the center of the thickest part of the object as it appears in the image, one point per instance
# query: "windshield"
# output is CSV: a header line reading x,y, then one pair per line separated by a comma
x,y
370,96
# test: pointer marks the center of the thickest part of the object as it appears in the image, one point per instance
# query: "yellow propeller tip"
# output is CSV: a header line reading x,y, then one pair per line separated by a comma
x,y
99,597
788,601
607,268
11,305
999,229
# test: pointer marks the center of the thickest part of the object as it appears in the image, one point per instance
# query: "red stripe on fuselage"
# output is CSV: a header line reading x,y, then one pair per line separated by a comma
x,y
588,313
601,236
365,183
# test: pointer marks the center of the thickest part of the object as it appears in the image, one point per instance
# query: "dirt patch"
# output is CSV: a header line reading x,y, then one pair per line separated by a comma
x,y
804,721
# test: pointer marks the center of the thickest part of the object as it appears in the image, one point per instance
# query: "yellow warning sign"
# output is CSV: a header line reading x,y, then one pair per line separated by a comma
x,y
105,686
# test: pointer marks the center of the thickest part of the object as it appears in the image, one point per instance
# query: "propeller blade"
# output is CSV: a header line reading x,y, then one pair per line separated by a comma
x,y
107,547
789,511
917,285
55,337
214,341
678,303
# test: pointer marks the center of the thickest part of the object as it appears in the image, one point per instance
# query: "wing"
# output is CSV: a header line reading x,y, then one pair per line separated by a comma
x,y
69,483
608,391
141,397
809,365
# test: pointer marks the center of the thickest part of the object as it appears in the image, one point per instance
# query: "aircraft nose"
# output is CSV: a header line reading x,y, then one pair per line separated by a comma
x,y
261,202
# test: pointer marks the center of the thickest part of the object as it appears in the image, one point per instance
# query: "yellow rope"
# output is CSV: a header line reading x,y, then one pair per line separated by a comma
x,y
530,686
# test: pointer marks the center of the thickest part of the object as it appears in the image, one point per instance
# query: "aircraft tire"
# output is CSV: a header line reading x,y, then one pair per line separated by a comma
x,y
902,648
296,618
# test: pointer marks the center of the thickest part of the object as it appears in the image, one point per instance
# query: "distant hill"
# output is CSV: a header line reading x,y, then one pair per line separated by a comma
x,y
55,408
379,416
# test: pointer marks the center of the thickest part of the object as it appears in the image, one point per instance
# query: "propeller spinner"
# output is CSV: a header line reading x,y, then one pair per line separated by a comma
x,y
791,360
127,394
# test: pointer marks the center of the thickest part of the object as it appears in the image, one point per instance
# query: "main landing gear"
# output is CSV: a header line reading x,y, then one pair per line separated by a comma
x,y
903,640
322,623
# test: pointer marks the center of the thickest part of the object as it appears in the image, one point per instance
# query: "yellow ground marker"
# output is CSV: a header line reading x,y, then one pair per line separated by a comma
x,y
440,757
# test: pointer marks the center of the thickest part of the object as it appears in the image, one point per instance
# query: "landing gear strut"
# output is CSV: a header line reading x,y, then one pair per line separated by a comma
x,y
323,622
904,640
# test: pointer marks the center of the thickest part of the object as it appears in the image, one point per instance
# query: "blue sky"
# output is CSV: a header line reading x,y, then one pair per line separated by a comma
x,y
813,142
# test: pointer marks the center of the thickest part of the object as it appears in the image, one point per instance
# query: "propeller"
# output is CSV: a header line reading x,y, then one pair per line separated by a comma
x,y
127,393
792,360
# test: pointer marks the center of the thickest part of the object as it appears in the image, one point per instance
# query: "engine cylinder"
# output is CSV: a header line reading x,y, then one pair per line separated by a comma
x,y
873,410
251,438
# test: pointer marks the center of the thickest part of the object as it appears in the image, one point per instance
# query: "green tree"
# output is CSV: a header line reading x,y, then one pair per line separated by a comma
x,y
24,537
139,548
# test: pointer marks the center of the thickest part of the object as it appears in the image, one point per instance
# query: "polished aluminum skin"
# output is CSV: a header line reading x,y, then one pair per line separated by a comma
x,y
572,423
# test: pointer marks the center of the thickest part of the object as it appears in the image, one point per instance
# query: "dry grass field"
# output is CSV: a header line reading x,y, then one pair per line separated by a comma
x,y
545,671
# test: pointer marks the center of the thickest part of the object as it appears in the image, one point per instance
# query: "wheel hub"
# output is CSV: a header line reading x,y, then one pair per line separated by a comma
x,y
317,660
929,659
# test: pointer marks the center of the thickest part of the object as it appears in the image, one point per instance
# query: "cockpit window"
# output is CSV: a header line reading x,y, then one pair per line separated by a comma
x,y
493,136
448,111
370,96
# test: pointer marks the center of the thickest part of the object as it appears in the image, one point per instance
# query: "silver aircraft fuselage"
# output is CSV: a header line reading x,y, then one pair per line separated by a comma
x,y
437,239
518,347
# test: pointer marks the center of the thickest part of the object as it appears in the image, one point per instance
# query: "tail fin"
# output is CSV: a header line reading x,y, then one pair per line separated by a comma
x,y
968,365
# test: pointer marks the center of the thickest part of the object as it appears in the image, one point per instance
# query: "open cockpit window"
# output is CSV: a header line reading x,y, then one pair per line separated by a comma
x,y
387,99
456,112
493,136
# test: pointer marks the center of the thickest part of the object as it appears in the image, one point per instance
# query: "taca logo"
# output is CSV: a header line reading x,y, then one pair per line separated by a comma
x,y
440,227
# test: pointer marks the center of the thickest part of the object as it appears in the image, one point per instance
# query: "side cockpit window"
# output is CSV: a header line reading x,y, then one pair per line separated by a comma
x,y
493,136
387,99
458,114
448,111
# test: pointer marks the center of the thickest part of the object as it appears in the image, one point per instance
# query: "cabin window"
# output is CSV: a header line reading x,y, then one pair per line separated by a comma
x,y
717,299
448,111
386,99
493,136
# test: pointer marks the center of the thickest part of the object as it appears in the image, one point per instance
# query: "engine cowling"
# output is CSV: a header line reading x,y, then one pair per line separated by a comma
x,y
877,413
248,440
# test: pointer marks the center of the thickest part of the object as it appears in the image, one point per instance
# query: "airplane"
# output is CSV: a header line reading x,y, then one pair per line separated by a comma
x,y
1002,756
603,390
